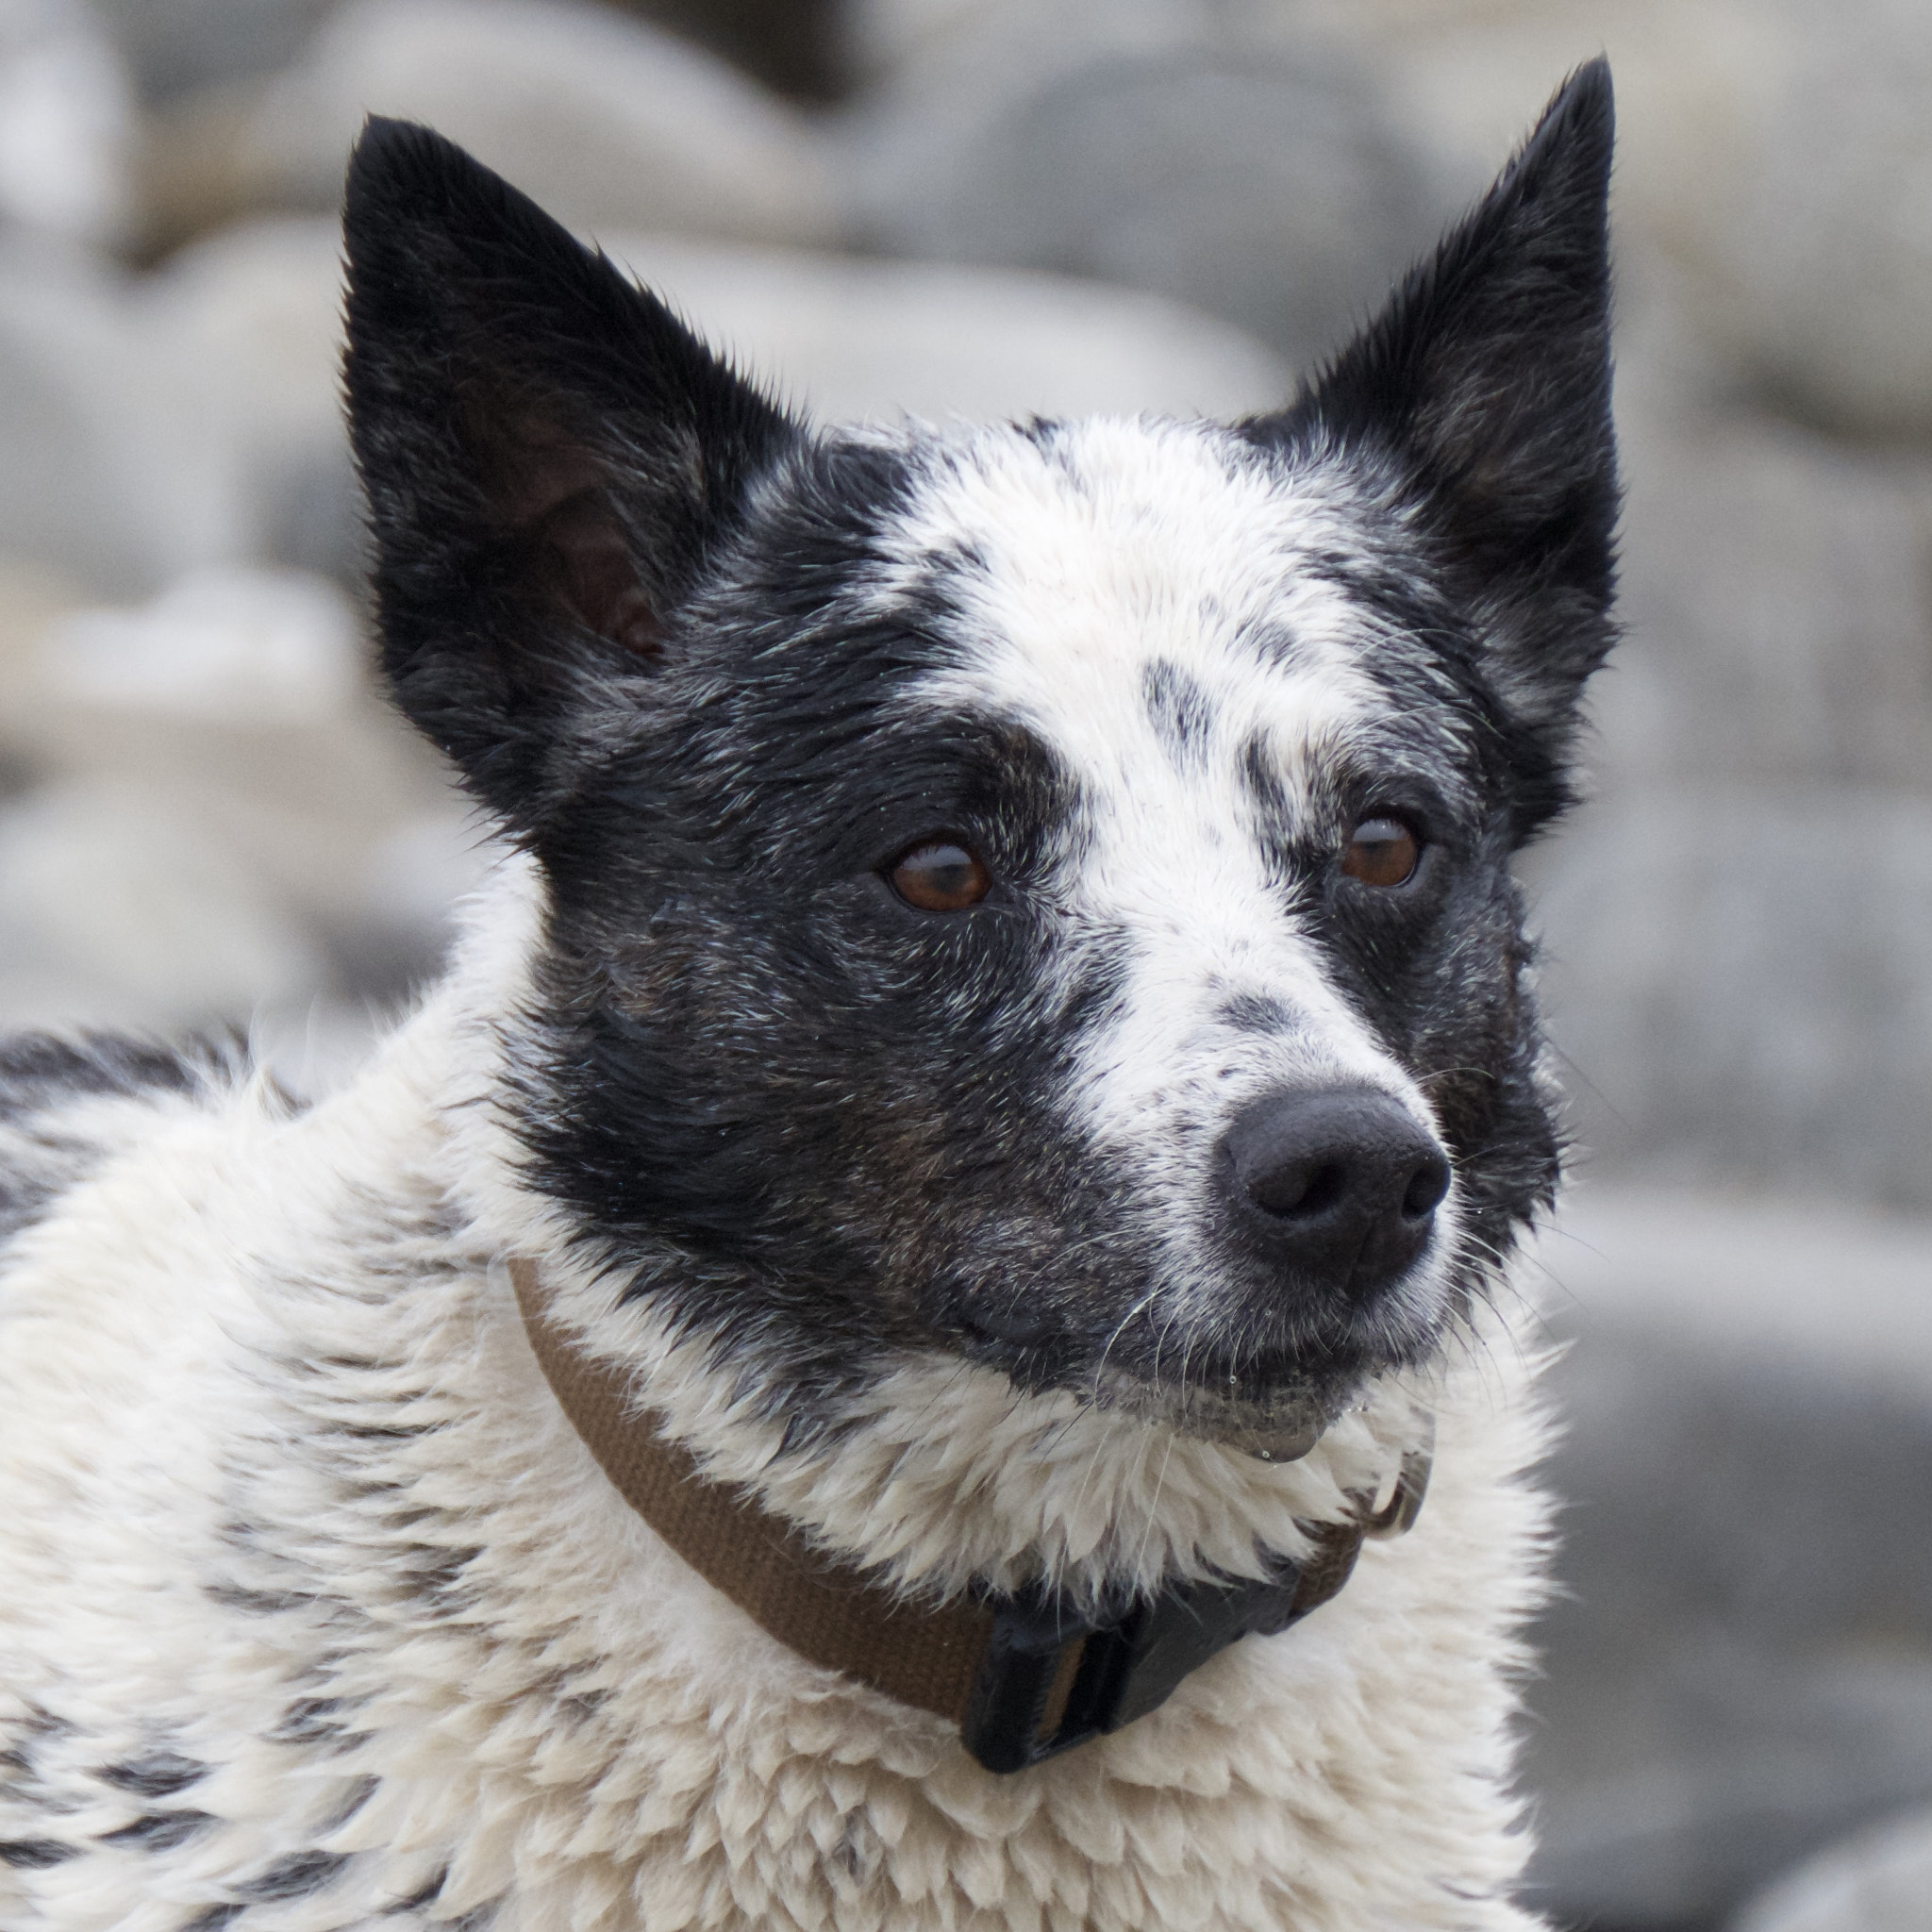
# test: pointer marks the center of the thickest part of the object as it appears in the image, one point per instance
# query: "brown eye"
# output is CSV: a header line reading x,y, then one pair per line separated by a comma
x,y
940,876
1381,852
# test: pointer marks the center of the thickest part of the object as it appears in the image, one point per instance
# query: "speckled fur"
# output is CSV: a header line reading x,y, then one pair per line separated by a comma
x,y
315,1611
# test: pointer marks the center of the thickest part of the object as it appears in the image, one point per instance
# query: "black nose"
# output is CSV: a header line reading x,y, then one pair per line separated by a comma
x,y
1340,1185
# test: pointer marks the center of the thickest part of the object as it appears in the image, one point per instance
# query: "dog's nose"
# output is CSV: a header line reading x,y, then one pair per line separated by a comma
x,y
1339,1184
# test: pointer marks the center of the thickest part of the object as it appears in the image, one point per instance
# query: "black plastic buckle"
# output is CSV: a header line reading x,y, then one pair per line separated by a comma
x,y
1051,1678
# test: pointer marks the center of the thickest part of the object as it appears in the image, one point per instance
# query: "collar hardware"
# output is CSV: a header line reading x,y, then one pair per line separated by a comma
x,y
1050,1679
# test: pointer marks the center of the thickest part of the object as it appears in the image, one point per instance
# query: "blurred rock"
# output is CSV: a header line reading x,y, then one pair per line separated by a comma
x,y
1739,980
186,418
174,46
1834,263
1740,930
259,307
795,46
1737,1667
116,912
605,120
852,338
1140,143
1777,591
1772,171
66,121
118,470
230,643
1880,1881
233,713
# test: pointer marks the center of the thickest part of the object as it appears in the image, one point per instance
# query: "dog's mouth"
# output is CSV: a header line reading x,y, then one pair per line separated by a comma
x,y
1273,1399
1275,1407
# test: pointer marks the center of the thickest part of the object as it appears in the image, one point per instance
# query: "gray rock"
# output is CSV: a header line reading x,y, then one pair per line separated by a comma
x,y
174,46
232,712
117,470
1833,257
1740,930
1770,169
1879,1881
66,121
1142,145
115,911
1739,979
258,308
1737,1668
607,120
853,338
1777,592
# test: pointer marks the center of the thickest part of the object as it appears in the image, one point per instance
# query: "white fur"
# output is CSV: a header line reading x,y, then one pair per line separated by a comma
x,y
276,1355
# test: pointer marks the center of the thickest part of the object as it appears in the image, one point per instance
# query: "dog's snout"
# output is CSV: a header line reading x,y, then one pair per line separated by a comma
x,y
1341,1185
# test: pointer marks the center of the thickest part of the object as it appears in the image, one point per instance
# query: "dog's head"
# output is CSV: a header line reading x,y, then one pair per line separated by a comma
x,y
1043,892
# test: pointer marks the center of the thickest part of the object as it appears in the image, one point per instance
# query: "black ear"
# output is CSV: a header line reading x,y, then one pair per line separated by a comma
x,y
548,456
1486,382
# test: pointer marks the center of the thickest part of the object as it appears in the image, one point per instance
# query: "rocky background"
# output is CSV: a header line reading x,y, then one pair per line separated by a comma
x,y
994,206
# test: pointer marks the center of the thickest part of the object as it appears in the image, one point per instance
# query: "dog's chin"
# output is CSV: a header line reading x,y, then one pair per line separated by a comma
x,y
1273,1402
1278,1423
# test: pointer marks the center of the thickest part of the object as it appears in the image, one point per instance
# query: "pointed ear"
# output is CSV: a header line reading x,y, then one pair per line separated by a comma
x,y
1487,383
548,456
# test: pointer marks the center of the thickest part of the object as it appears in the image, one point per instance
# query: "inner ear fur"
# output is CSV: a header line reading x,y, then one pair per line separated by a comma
x,y
560,510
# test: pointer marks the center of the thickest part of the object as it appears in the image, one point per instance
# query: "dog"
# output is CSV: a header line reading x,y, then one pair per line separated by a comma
x,y
835,1372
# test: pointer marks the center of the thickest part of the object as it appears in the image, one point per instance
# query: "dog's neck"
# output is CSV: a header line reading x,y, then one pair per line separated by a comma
x,y
936,1471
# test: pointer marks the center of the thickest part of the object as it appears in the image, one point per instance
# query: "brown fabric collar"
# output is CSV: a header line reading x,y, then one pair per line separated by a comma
x,y
1024,1677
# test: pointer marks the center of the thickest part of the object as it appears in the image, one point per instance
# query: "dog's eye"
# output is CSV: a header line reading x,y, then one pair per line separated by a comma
x,y
940,876
1381,852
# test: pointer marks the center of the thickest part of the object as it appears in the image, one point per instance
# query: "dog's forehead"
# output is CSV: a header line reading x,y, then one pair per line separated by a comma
x,y
1134,589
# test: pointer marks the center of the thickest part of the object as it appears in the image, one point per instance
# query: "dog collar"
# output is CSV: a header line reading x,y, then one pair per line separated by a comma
x,y
1024,1676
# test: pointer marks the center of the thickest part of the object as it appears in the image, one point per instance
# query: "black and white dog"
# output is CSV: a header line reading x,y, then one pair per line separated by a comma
x,y
1001,1027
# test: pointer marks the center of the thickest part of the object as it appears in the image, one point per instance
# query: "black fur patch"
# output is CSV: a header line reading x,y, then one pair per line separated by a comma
x,y
213,1918
34,1854
1179,711
159,1831
156,1774
38,1075
299,1875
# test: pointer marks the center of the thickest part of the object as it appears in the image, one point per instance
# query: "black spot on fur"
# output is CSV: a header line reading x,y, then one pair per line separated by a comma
x,y
428,1894
1179,711
38,1075
1252,1012
34,1854
213,1918
39,1070
358,1796
299,1875
159,1831
159,1774
258,1603
313,1721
